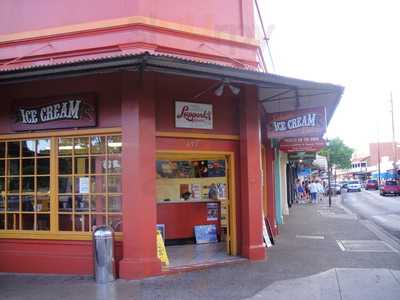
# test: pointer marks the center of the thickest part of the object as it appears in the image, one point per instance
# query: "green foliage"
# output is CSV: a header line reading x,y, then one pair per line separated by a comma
x,y
339,153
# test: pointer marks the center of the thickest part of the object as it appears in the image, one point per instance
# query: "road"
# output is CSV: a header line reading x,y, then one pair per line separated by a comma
x,y
383,211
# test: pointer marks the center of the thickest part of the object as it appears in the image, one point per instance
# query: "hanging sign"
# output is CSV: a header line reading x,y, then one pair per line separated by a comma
x,y
53,113
193,115
302,144
299,123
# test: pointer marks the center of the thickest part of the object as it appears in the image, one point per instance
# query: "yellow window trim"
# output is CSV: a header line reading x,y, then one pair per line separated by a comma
x,y
125,22
60,133
45,235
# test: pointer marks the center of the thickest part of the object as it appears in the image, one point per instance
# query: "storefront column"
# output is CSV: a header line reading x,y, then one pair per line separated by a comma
x,y
269,161
284,185
250,167
138,177
278,206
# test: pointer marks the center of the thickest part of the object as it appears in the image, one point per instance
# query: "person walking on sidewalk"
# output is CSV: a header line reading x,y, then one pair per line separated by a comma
x,y
320,190
299,192
313,191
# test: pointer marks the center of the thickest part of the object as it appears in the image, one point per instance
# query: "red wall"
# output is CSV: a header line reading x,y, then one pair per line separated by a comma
x,y
106,88
208,17
172,88
26,15
180,219
45,256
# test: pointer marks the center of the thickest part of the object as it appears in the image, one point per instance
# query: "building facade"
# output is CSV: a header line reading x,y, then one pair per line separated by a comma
x,y
136,115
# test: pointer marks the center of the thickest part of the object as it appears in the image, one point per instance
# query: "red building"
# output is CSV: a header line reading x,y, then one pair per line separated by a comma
x,y
385,150
133,115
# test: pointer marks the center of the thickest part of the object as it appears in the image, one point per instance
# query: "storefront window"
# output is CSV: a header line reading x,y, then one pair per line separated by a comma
x,y
25,168
88,183
89,177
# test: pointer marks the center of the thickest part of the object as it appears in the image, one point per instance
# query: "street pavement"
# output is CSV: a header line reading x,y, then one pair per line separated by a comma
x,y
382,210
320,253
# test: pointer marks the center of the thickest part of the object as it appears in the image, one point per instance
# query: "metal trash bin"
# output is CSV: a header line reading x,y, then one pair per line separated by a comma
x,y
103,254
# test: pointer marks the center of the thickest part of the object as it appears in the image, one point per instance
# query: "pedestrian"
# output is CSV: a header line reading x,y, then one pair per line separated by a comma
x,y
313,192
299,192
320,191
307,190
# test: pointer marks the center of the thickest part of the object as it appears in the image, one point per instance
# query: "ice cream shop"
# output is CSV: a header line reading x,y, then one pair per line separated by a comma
x,y
138,116
136,150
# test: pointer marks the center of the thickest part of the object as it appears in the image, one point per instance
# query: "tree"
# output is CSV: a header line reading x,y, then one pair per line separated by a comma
x,y
339,153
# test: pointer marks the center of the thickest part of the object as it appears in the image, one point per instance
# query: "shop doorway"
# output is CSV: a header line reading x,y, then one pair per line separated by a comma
x,y
196,206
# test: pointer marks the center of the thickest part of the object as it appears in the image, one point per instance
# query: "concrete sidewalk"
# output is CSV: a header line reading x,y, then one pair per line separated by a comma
x,y
337,284
321,253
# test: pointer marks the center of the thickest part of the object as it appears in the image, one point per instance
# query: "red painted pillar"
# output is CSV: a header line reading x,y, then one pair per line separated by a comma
x,y
138,177
250,166
269,162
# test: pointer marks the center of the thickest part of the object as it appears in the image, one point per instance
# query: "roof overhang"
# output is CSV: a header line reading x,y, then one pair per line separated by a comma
x,y
276,93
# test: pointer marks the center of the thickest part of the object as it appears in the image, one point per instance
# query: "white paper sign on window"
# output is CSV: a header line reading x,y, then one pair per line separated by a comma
x,y
193,115
84,185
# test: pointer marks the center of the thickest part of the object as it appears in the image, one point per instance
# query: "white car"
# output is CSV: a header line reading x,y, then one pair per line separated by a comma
x,y
353,186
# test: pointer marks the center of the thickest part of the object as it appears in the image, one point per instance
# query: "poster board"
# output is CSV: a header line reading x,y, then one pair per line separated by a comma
x,y
205,234
267,234
212,211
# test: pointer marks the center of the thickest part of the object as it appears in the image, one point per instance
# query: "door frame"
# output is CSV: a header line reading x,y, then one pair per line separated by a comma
x,y
230,158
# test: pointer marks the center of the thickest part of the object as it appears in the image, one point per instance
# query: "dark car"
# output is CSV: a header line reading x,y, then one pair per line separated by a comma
x,y
390,188
371,184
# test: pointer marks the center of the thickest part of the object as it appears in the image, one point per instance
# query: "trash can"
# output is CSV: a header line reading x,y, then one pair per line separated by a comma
x,y
103,254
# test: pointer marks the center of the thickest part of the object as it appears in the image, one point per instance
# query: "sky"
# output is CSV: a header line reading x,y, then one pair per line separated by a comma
x,y
352,43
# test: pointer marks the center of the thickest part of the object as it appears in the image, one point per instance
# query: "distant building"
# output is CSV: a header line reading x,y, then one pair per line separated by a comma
x,y
385,150
359,167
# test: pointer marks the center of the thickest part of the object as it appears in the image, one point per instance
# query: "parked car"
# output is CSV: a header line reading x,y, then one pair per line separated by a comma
x,y
390,188
335,188
343,184
371,184
353,186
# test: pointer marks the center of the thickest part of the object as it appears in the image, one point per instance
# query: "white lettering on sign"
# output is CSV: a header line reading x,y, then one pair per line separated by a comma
x,y
193,115
68,110
308,120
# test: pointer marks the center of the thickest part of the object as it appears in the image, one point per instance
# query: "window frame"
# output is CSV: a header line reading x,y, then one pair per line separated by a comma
x,y
54,233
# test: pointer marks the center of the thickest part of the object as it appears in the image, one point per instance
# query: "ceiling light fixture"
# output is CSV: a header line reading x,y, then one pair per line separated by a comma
x,y
220,89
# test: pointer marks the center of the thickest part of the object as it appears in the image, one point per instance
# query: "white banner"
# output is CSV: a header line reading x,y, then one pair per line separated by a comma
x,y
193,115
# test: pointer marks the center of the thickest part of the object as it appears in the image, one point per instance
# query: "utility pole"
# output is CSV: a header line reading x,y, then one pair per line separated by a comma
x,y
379,158
329,174
393,137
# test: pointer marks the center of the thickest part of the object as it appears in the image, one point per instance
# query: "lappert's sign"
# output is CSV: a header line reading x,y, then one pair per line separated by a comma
x,y
193,115
56,112
302,144
299,123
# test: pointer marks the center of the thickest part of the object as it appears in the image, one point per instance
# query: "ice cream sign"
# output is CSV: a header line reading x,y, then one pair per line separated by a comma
x,y
56,112
193,115
299,123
